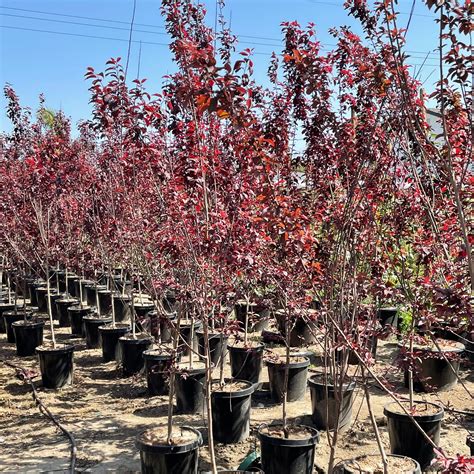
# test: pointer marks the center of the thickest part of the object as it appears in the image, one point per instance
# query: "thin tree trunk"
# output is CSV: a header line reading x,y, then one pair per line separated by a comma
x,y
172,376
287,370
112,289
48,300
374,424
208,393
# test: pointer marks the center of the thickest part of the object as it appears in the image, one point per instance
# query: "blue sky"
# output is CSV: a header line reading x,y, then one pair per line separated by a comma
x,y
37,62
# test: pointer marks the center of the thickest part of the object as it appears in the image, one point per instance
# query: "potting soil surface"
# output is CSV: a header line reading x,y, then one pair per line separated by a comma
x,y
105,412
374,464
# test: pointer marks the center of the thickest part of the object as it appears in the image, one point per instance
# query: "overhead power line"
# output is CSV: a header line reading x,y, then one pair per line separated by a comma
x,y
81,35
81,24
165,34
81,17
133,41
265,38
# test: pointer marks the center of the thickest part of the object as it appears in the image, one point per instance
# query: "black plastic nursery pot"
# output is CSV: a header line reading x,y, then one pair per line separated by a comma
x,y
91,324
159,457
4,307
432,372
109,340
370,463
62,306
91,293
388,317
470,443
32,290
326,414
297,378
61,278
405,437
292,455
120,284
369,341
189,388
235,471
82,284
122,307
258,316
76,315
103,279
185,342
105,301
9,317
169,303
231,411
28,336
246,362
305,330
142,309
56,365
166,327
272,337
54,307
157,365
71,285
217,346
131,350
41,293
154,324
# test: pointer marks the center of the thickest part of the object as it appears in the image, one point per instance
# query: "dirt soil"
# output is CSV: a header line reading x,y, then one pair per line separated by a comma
x,y
106,412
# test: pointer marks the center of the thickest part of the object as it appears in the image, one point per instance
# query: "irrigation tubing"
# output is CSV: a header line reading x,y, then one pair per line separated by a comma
x,y
22,374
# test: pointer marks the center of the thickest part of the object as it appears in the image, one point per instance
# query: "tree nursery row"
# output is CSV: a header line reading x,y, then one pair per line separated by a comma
x,y
238,245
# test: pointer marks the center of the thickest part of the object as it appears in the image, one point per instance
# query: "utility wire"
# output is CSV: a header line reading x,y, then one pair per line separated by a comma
x,y
80,35
134,41
130,36
257,53
266,38
139,60
82,24
165,34
81,17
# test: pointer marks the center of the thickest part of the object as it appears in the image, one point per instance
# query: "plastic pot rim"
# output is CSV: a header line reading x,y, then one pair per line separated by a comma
x,y
190,372
118,296
348,387
197,324
145,305
32,324
434,350
291,365
311,441
21,313
119,327
213,335
78,309
259,348
416,469
436,417
55,350
52,291
139,340
96,319
387,308
170,448
73,301
245,392
158,357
